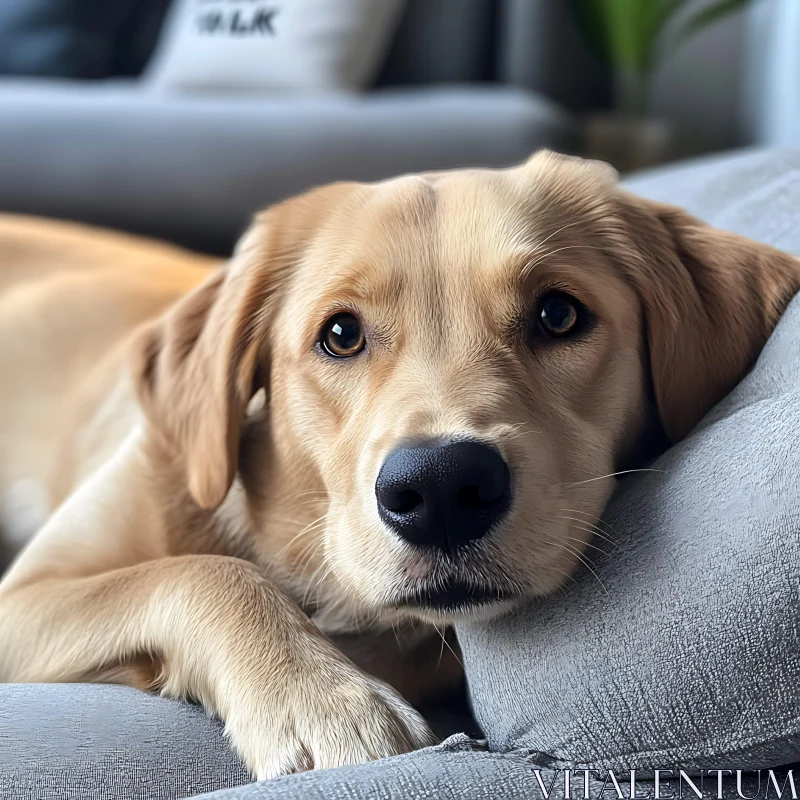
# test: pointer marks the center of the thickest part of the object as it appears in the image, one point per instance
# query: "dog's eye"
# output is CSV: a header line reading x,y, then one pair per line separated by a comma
x,y
560,314
342,336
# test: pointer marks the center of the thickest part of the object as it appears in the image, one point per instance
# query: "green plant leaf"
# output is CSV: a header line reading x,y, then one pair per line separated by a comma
x,y
589,18
625,33
707,16
624,20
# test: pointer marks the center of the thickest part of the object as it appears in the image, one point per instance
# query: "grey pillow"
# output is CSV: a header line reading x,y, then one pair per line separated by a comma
x,y
688,654
87,741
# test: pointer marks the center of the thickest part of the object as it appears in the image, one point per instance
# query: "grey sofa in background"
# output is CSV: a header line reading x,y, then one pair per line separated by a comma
x,y
467,82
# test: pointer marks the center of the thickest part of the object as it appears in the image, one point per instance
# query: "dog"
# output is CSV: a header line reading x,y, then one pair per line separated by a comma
x,y
264,484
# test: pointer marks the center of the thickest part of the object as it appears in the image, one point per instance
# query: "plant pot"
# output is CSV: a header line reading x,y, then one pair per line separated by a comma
x,y
628,143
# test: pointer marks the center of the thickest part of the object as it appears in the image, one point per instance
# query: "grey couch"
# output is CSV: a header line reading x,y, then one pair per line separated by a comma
x,y
112,742
467,82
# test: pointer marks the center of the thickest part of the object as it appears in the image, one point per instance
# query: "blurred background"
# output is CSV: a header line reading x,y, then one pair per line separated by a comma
x,y
180,118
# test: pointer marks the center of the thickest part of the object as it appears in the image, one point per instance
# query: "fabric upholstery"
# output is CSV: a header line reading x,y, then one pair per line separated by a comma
x,y
461,769
455,91
82,741
195,168
78,742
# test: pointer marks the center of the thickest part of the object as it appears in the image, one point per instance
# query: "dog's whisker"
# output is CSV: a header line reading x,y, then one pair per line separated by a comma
x,y
356,621
520,435
586,544
271,518
597,532
612,475
441,649
555,233
309,553
585,561
594,530
368,442
446,644
313,554
314,501
322,494
588,526
566,577
396,635
308,529
516,431
514,426
318,585
594,533
580,525
609,529
307,492
311,586
314,547
530,267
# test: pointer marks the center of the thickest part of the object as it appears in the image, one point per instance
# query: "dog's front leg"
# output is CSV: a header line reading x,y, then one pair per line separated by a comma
x,y
223,634
95,593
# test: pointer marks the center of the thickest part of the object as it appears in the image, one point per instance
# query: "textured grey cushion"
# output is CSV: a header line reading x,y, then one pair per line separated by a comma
x,y
754,193
195,168
110,743
460,769
80,741
689,651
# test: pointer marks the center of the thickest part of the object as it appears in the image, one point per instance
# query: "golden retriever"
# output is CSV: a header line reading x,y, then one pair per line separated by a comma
x,y
262,485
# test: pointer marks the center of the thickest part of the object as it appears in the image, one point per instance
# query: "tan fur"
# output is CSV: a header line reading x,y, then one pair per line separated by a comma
x,y
212,530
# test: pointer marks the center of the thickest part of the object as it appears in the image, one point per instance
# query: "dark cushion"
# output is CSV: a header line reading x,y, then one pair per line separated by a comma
x,y
138,36
442,41
77,38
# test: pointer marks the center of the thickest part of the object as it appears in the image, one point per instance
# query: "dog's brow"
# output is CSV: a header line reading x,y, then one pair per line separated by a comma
x,y
407,202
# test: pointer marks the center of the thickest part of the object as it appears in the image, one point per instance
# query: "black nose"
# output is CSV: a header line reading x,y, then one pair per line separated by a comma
x,y
443,494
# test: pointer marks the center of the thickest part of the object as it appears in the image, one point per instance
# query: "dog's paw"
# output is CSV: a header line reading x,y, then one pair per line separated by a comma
x,y
327,719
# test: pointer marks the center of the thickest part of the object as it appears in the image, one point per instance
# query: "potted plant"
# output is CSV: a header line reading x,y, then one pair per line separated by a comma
x,y
630,37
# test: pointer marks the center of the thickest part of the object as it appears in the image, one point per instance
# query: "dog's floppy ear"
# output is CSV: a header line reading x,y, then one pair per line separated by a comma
x,y
198,367
711,300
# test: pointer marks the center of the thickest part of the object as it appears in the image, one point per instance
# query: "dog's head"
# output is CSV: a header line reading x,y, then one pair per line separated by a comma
x,y
455,365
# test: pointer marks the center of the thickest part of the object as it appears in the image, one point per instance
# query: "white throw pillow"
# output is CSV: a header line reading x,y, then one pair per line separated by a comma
x,y
272,45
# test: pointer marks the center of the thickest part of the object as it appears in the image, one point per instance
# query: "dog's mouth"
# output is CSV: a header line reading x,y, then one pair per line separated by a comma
x,y
455,597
